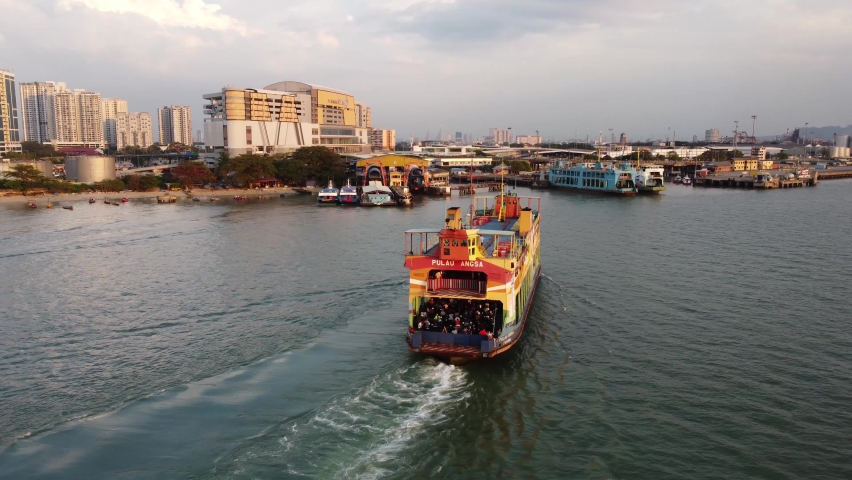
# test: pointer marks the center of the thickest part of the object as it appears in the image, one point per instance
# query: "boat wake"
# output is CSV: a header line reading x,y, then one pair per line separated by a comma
x,y
363,434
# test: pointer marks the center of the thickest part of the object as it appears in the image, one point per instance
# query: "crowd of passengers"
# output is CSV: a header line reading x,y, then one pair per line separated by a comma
x,y
460,316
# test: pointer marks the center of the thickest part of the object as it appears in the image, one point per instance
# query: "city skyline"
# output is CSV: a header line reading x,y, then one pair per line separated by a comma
x,y
566,69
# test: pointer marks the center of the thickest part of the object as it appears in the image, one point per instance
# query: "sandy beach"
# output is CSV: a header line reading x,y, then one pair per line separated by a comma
x,y
100,196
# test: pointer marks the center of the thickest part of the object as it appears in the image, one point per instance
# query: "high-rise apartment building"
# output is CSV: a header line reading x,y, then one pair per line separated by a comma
x,y
500,135
175,124
383,139
110,108
54,114
10,134
38,121
134,129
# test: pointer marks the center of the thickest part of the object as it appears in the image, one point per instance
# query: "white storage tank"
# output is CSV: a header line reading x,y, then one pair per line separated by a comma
x,y
842,141
89,168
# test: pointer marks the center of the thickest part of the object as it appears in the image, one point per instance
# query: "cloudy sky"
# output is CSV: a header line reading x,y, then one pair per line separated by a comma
x,y
563,67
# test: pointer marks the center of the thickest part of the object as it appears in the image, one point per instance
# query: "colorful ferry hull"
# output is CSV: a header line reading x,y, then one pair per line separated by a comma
x,y
594,177
492,265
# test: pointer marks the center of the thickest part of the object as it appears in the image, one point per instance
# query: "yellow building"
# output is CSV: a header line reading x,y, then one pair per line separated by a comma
x,y
766,164
752,164
738,165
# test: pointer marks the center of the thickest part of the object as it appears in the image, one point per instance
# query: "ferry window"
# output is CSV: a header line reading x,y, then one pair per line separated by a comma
x,y
455,243
446,251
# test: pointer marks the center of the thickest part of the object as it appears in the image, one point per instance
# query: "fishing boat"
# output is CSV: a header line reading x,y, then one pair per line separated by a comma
x,y
49,205
649,179
678,180
328,195
68,207
348,195
32,205
377,195
214,199
686,181
116,204
91,200
471,286
597,177
124,200
107,201
196,199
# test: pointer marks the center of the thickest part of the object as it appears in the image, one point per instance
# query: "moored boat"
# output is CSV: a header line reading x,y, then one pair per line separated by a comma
x,y
91,200
32,205
649,179
107,201
677,180
595,177
348,195
377,195
328,195
686,181
124,200
471,286
68,207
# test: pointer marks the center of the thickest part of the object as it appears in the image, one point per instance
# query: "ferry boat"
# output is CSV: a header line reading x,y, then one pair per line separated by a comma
x,y
471,287
328,195
597,177
649,179
686,181
377,195
348,195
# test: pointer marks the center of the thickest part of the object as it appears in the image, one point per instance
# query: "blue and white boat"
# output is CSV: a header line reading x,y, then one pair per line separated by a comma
x,y
348,195
328,195
598,177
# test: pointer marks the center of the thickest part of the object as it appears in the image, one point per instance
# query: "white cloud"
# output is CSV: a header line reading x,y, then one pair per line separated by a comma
x,y
167,13
327,40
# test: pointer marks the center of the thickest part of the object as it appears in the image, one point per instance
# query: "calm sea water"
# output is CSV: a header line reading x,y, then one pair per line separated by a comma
x,y
699,334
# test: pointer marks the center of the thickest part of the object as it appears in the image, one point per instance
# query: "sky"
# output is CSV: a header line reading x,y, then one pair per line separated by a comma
x,y
567,68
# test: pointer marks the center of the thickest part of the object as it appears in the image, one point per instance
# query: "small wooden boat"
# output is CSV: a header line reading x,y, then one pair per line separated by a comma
x,y
116,204
107,201
123,199
68,207
49,205
32,205
91,200
214,199
196,199
166,199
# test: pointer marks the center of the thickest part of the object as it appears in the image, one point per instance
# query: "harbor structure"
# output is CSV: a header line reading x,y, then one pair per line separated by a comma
x,y
283,117
10,133
174,123
53,113
110,108
134,129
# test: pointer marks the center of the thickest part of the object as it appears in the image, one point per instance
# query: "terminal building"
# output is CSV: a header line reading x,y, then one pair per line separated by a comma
x,y
283,117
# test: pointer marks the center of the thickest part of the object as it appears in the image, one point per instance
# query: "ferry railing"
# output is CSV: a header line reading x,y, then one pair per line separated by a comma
x,y
421,243
475,286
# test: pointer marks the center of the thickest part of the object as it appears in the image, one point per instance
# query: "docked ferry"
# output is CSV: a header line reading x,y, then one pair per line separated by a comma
x,y
328,195
377,195
649,179
348,195
596,177
471,286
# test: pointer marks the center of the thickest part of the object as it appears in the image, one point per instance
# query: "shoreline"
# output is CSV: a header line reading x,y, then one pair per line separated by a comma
x,y
203,193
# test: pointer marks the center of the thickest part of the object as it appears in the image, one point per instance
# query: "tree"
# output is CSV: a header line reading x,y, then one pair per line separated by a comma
x,y
27,176
114,185
246,170
783,156
192,173
318,163
519,166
